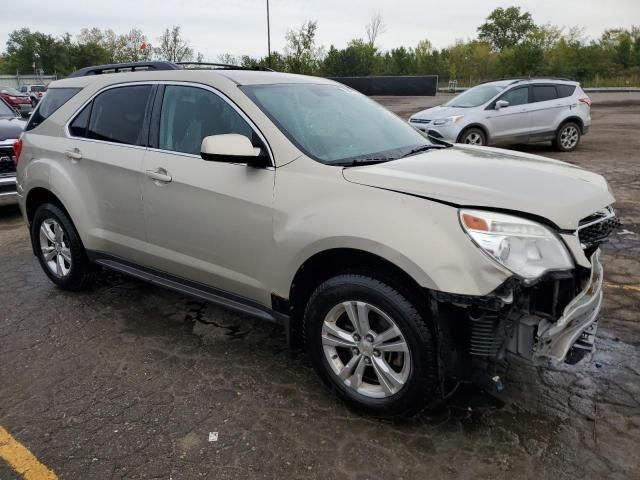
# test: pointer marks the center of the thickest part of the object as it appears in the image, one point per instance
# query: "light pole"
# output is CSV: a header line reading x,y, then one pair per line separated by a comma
x,y
268,38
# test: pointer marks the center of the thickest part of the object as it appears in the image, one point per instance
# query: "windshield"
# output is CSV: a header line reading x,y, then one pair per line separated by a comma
x,y
334,124
10,91
5,110
475,96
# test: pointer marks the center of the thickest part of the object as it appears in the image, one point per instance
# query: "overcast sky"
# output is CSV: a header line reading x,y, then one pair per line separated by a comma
x,y
239,27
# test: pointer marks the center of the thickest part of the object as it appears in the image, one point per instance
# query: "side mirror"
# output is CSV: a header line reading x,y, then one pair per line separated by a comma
x,y
501,104
232,148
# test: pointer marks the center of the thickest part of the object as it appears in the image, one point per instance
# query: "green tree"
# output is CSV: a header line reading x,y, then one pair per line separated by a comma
x,y
26,49
302,55
506,28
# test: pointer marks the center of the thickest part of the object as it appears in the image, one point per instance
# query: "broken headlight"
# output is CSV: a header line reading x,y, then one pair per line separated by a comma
x,y
527,248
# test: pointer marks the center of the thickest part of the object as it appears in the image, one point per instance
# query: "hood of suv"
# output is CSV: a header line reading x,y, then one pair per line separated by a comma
x,y
493,178
441,111
11,128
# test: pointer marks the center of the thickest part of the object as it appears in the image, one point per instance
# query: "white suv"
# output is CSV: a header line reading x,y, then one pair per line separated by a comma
x,y
393,261
511,112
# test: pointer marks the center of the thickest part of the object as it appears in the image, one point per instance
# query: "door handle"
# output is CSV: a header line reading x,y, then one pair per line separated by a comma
x,y
159,175
74,154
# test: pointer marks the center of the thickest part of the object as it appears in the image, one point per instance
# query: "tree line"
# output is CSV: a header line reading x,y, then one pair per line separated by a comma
x,y
509,43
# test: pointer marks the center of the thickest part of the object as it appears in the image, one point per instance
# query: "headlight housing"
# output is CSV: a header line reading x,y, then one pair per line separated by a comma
x,y
528,249
447,121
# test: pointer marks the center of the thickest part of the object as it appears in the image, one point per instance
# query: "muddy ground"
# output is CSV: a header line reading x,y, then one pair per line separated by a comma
x,y
128,381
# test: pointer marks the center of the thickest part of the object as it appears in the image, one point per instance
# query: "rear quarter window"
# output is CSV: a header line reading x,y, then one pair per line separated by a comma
x,y
565,90
52,101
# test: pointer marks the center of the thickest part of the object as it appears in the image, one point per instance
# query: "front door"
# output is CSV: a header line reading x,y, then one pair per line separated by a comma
x,y
209,222
510,124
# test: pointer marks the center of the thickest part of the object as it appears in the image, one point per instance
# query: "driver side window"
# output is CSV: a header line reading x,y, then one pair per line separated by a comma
x,y
517,96
189,114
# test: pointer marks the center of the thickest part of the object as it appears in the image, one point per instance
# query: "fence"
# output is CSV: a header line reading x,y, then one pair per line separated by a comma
x,y
16,81
392,85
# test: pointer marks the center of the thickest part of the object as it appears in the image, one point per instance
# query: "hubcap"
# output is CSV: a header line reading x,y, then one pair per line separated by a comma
x,y
365,349
569,137
55,249
473,139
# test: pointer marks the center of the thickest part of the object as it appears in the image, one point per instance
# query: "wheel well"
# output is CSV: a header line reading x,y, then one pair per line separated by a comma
x,y
473,125
330,263
577,120
37,197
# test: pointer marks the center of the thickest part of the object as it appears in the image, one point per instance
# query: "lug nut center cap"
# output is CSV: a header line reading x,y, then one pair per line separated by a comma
x,y
366,348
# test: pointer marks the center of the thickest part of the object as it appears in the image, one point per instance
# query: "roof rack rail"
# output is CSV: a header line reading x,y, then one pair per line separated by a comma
x,y
524,79
216,66
158,65
124,67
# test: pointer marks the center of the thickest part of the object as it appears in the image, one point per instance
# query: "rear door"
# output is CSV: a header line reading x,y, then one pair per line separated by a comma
x,y
510,124
104,153
206,221
545,109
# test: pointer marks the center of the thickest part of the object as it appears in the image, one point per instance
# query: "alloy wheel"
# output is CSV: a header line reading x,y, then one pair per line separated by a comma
x,y
473,138
55,248
365,349
569,137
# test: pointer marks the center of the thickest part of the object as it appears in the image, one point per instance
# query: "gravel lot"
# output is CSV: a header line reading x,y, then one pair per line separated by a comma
x,y
128,381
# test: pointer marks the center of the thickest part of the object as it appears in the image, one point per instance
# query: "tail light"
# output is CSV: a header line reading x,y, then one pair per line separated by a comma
x,y
17,150
586,101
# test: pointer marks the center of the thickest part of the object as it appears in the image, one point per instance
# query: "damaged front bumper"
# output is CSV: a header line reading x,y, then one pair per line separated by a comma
x,y
546,339
554,320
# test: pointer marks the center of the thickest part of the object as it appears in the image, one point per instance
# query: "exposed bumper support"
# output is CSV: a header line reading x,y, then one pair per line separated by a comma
x,y
578,322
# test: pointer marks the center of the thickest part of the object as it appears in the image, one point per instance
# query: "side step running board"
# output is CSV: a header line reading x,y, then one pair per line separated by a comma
x,y
196,290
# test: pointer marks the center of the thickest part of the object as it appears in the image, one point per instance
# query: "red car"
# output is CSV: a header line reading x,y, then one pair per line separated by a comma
x,y
19,101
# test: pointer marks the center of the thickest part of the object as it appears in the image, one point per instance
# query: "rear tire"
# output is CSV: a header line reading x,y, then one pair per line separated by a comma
x,y
567,137
473,136
384,367
59,249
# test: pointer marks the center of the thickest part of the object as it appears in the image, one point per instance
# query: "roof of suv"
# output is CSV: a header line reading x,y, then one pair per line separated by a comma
x,y
240,77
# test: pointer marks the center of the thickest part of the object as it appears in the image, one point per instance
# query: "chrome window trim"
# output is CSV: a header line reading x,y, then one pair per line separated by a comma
x,y
203,86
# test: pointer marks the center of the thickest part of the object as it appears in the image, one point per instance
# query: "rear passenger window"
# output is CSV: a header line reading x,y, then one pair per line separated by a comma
x,y
189,114
517,96
118,115
542,93
565,90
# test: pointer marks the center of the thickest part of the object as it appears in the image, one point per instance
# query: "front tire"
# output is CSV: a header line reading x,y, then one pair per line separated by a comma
x,y
59,249
473,136
370,345
567,137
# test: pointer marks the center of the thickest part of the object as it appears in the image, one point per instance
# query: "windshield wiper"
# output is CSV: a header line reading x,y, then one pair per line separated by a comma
x,y
356,162
424,148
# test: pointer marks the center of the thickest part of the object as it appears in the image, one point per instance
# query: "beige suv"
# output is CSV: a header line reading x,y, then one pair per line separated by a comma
x,y
396,263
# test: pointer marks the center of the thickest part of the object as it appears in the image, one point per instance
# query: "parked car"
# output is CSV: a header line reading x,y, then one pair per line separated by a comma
x,y
11,126
35,92
512,112
21,102
396,263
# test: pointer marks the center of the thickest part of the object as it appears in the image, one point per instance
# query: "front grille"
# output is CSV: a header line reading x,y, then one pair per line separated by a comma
x,y
7,165
420,120
596,228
